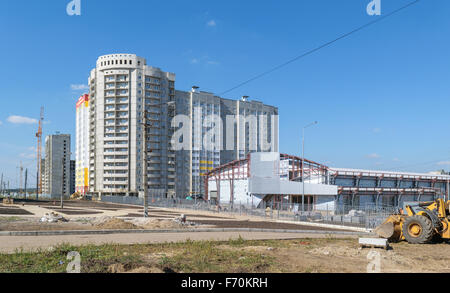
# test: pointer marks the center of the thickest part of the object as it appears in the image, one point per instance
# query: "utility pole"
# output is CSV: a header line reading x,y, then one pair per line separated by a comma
x,y
21,179
1,185
62,182
26,179
145,163
303,164
145,158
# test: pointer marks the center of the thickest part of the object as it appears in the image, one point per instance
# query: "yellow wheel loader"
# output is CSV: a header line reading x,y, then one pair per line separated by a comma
x,y
418,223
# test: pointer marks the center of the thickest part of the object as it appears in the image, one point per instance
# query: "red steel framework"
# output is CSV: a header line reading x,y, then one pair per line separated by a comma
x,y
240,169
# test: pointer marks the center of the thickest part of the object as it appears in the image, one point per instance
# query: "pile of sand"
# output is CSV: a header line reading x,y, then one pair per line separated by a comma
x,y
147,223
113,223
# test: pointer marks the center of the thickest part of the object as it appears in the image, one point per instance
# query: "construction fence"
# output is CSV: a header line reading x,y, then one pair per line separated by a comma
x,y
368,217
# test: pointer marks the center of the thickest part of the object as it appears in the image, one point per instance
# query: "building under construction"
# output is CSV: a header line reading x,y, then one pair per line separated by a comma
x,y
273,179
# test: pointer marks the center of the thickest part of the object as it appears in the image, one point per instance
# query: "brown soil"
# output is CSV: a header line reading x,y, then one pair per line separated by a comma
x,y
150,216
76,203
34,226
5,210
261,225
120,268
74,212
345,256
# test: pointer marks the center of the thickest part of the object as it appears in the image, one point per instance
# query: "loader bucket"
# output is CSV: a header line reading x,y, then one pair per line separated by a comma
x,y
390,229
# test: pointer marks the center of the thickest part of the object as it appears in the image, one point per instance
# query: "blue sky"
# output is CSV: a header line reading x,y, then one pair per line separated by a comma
x,y
380,96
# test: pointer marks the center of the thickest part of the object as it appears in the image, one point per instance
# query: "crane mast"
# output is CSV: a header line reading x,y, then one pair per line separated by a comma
x,y
39,155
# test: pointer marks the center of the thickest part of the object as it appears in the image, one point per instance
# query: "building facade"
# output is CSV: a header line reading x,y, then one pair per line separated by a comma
x,y
82,145
202,140
220,131
122,90
56,171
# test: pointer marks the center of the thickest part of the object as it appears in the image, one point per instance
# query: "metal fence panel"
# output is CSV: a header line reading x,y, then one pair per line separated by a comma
x,y
368,216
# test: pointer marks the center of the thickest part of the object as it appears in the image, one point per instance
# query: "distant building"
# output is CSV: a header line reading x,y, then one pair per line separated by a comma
x,y
56,176
82,145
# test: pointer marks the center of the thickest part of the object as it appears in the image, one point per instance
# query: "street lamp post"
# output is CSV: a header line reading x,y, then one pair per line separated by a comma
x,y
303,163
145,159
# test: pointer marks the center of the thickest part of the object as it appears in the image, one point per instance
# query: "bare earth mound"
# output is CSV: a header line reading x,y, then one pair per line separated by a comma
x,y
114,223
150,224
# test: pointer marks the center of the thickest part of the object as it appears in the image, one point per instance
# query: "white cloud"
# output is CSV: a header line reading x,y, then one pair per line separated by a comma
x,y
396,159
373,156
443,163
204,60
21,120
211,23
376,130
212,62
1,123
79,87
27,156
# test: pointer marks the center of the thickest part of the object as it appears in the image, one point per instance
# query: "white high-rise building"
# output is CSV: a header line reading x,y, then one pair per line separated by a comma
x,y
122,87
82,145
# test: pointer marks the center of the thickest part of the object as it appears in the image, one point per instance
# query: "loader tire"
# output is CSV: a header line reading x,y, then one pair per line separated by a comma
x,y
418,230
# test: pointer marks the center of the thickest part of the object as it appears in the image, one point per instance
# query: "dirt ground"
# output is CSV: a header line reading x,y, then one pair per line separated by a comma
x,y
345,256
236,255
12,210
75,203
80,215
260,225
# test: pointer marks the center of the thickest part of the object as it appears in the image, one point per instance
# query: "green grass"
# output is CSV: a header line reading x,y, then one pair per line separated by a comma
x,y
206,256
187,257
93,259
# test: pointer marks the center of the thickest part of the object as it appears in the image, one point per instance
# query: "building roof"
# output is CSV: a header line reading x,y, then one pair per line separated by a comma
x,y
379,173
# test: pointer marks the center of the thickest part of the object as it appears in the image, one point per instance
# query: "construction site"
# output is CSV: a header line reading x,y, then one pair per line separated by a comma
x,y
270,243
301,137
284,212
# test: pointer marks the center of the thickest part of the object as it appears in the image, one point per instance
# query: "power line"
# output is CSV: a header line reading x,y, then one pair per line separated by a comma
x,y
378,19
